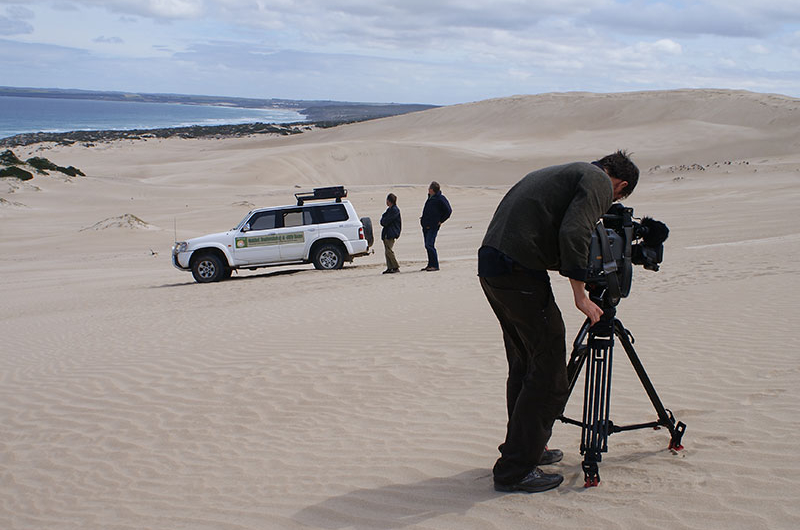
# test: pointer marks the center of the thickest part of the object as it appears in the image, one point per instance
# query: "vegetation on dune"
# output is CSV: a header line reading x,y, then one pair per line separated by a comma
x,y
8,158
15,172
11,163
43,165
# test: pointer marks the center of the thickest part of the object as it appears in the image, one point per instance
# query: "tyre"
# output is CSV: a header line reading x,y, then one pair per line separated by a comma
x,y
328,257
368,234
208,268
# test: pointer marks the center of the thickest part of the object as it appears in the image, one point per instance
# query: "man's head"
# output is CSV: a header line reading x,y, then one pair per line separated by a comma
x,y
391,199
434,188
623,172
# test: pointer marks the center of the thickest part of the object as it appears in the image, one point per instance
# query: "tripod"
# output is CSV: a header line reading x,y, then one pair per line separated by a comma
x,y
597,355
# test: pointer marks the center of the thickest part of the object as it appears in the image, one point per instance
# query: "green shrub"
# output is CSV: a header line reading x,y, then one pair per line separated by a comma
x,y
15,172
42,164
8,158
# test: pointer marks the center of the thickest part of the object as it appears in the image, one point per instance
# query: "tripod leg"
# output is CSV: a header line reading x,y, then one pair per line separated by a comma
x,y
577,357
591,472
665,417
596,403
576,360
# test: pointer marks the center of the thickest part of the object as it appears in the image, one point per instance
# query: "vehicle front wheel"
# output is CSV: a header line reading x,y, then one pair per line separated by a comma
x,y
208,268
328,257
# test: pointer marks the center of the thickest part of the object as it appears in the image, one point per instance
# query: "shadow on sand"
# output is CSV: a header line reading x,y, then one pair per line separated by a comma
x,y
401,505
237,278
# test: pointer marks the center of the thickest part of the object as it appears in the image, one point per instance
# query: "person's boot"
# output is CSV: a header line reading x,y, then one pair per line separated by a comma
x,y
551,456
535,481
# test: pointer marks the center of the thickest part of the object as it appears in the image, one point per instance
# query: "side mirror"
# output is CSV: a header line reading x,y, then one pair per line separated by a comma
x,y
246,227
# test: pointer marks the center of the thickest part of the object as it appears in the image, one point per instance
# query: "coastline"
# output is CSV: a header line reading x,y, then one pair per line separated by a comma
x,y
191,131
324,118
321,114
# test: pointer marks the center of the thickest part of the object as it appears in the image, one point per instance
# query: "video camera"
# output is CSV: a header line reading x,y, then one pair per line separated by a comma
x,y
618,243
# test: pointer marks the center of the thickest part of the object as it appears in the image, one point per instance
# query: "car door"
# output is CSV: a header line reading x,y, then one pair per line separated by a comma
x,y
297,232
258,240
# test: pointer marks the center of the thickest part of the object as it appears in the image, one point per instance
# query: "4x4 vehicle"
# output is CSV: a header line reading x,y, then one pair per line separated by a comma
x,y
323,233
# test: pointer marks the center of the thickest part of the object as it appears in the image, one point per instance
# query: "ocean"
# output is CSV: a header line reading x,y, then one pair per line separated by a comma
x,y
25,115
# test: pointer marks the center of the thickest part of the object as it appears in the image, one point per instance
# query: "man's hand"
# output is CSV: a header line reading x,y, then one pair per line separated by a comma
x,y
583,303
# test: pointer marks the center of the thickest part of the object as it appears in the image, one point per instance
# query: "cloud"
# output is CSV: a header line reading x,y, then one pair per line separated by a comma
x,y
666,46
12,26
725,18
155,9
108,40
420,22
19,12
426,51
16,21
423,24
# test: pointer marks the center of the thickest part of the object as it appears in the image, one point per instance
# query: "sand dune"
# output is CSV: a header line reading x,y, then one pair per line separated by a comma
x,y
290,398
124,221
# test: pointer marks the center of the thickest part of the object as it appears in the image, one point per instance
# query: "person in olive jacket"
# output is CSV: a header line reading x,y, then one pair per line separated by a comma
x,y
436,211
544,223
392,225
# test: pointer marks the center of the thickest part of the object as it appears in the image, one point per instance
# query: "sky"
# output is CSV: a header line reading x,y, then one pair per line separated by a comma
x,y
414,51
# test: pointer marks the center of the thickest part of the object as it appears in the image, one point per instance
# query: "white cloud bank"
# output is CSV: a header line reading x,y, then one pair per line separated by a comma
x,y
445,51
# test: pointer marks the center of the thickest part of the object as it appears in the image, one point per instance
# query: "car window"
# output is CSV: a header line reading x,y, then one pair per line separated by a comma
x,y
329,213
292,218
263,221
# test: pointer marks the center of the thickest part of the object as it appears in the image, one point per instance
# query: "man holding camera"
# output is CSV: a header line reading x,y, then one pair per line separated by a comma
x,y
543,223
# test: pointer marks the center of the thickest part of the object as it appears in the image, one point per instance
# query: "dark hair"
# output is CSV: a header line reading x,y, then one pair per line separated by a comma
x,y
392,198
620,166
435,187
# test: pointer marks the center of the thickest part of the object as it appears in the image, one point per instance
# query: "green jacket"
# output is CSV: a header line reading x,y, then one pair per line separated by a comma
x,y
545,221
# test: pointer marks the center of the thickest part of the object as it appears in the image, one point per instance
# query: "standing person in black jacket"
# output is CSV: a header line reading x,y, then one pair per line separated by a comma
x,y
392,225
436,211
544,223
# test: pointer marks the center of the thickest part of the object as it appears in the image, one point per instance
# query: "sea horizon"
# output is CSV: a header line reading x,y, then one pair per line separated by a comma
x,y
22,115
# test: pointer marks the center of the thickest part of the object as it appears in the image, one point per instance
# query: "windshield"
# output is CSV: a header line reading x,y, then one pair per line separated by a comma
x,y
243,221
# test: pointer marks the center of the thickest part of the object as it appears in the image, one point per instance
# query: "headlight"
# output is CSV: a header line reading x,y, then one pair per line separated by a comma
x,y
180,246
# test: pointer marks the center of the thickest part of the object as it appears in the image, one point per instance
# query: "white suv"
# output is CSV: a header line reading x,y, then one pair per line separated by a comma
x,y
323,233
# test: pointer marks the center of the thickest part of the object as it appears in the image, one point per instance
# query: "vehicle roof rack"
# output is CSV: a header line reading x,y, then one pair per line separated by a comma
x,y
321,194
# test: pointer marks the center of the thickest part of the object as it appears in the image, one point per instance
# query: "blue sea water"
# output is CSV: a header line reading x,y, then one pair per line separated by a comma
x,y
25,115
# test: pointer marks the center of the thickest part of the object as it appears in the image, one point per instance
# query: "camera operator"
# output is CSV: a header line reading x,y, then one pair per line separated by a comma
x,y
544,222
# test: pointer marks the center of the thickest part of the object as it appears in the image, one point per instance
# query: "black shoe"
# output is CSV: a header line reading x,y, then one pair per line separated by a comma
x,y
390,271
431,269
551,456
536,480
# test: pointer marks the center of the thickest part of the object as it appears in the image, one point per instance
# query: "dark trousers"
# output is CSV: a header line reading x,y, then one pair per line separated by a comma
x,y
429,234
537,389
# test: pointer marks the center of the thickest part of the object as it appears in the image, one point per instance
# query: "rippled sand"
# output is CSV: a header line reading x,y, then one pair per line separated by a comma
x,y
290,398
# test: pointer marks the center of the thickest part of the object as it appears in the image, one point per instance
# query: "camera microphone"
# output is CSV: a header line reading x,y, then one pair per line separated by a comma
x,y
653,232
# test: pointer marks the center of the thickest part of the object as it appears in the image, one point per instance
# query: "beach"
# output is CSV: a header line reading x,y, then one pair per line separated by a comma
x,y
291,398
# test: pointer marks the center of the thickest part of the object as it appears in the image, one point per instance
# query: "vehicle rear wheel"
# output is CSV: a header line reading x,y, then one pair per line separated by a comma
x,y
328,257
208,268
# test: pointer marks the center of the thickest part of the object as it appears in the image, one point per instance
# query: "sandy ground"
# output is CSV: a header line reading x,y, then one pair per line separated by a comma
x,y
133,398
